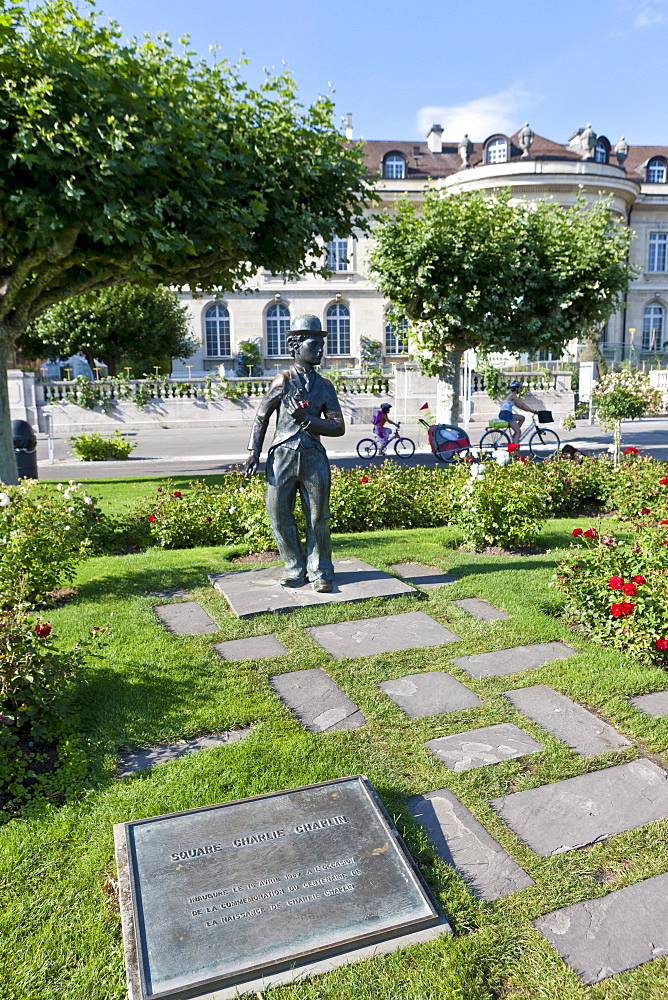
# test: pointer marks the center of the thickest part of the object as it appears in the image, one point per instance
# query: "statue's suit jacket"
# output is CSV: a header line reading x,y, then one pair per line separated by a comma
x,y
324,414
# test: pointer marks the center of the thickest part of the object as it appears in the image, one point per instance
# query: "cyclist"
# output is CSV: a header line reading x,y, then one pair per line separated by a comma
x,y
380,431
506,412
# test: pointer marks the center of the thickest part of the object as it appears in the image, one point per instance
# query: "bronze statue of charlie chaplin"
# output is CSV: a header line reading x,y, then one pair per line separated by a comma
x,y
307,407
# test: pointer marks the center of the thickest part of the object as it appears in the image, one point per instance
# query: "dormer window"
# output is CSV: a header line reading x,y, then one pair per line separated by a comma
x,y
656,171
497,151
394,167
601,151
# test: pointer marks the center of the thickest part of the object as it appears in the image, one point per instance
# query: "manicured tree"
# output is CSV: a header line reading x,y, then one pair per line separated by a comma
x,y
624,395
124,323
128,163
473,270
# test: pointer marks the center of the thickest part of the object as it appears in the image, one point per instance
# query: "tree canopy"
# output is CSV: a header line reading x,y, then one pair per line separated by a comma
x,y
476,270
132,162
126,323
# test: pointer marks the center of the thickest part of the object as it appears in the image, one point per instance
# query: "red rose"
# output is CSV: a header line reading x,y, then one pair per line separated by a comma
x,y
591,533
622,609
629,589
665,541
663,522
645,510
661,643
513,447
576,532
630,450
364,479
151,518
639,578
615,583
178,493
663,482
42,629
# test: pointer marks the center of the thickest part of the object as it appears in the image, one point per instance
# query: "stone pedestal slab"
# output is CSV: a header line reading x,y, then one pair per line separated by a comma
x,y
317,701
478,747
579,729
258,591
513,660
187,618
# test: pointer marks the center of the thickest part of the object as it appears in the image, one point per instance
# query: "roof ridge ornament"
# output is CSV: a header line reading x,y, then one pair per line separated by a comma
x,y
525,139
622,151
465,149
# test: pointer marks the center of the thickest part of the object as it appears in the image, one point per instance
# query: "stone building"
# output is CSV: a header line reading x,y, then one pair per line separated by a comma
x,y
634,178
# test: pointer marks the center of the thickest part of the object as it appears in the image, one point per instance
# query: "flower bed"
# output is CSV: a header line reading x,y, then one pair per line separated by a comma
x,y
618,590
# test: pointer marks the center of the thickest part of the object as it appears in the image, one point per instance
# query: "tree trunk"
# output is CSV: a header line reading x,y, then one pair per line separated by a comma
x,y
617,439
448,388
8,471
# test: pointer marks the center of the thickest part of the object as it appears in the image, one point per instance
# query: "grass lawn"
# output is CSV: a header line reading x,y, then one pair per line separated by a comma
x,y
61,935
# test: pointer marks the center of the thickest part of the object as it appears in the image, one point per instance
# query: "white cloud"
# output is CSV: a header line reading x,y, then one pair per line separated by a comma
x,y
478,118
649,12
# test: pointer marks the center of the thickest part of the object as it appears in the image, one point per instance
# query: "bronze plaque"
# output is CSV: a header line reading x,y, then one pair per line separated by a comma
x,y
219,896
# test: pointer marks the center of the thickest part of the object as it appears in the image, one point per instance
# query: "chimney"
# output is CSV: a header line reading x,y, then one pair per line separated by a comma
x,y
348,121
435,139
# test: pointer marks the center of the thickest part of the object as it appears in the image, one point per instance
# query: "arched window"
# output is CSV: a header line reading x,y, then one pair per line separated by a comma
x,y
656,258
656,171
217,326
394,167
497,151
601,151
337,254
277,323
396,335
338,329
652,328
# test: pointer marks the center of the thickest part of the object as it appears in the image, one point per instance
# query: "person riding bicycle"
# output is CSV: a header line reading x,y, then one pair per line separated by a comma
x,y
380,431
506,412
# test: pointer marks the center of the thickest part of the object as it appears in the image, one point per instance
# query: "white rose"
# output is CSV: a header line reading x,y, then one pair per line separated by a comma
x,y
4,500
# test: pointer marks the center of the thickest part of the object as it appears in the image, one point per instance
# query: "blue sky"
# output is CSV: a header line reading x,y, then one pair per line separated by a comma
x,y
475,66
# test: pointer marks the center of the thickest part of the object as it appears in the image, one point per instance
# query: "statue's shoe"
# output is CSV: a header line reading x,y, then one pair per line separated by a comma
x,y
322,587
293,581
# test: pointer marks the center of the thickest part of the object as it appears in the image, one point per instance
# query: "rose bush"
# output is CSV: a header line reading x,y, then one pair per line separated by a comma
x,y
44,534
37,708
503,505
618,590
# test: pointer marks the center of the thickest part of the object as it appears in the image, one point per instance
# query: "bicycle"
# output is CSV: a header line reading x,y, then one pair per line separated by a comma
x,y
403,446
542,442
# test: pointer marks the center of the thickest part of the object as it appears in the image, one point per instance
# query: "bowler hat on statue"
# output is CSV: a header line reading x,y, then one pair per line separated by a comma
x,y
307,323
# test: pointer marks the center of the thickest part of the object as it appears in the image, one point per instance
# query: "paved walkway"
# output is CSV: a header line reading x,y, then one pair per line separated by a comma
x,y
211,450
597,938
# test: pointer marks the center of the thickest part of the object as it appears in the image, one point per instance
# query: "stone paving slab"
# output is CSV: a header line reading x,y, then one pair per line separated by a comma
x,y
422,576
461,841
565,815
259,647
172,592
317,701
252,592
368,636
431,693
140,760
188,618
478,747
602,937
513,660
579,729
481,609
654,704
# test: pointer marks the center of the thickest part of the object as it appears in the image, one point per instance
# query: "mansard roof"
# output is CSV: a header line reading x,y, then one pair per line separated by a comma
x,y
421,163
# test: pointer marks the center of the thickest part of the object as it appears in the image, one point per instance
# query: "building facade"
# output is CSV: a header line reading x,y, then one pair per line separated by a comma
x,y
633,178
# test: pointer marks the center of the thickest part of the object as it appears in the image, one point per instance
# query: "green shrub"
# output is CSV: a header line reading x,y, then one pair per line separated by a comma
x,y
95,448
634,484
44,534
36,709
618,590
502,505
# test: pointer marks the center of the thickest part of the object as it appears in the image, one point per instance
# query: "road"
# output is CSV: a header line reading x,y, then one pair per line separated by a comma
x,y
204,451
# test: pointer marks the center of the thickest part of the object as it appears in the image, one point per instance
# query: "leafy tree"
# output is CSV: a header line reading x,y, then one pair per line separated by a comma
x,y
473,270
131,162
125,323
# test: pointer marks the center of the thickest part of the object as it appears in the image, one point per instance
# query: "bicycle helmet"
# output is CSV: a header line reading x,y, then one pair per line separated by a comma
x,y
386,406
515,385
